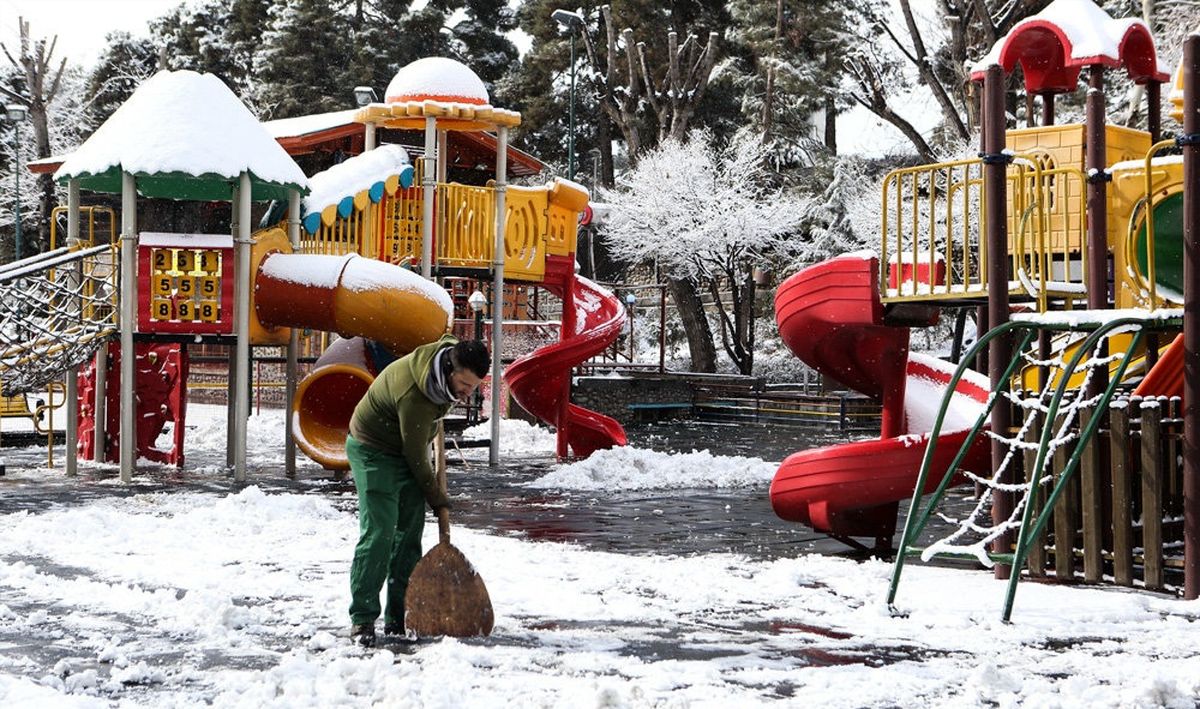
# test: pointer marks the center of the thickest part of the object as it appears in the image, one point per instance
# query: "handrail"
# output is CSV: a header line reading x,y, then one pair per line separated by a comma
x,y
1149,282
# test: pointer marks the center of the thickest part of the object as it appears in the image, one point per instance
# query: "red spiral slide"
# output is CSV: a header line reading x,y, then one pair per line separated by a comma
x,y
830,316
592,319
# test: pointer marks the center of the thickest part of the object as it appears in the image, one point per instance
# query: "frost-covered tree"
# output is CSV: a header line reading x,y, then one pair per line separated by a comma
x,y
38,81
707,215
480,39
217,37
126,62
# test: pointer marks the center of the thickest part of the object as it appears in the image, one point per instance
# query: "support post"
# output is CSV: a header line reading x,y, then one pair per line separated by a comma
x,y
1048,109
996,224
128,439
1097,193
232,385
443,152
71,464
293,347
1191,319
1154,111
429,193
501,190
241,307
369,139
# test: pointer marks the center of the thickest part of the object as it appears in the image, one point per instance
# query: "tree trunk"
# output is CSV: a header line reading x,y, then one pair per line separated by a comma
x,y
695,324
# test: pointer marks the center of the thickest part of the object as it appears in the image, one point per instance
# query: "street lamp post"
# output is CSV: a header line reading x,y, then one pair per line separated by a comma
x,y
16,113
478,301
630,301
570,21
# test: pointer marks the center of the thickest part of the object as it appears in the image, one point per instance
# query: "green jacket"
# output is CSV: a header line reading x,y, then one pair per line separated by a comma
x,y
396,417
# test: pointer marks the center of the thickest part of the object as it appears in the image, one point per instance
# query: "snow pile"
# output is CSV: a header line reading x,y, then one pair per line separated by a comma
x,y
439,79
206,433
354,175
181,121
516,437
628,468
308,270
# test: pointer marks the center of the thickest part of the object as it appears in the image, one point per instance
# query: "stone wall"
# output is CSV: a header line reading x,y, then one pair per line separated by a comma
x,y
612,396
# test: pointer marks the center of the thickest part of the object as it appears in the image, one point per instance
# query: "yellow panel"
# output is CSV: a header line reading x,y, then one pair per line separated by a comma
x,y
161,309
209,287
162,259
209,310
163,285
185,260
361,200
208,261
185,310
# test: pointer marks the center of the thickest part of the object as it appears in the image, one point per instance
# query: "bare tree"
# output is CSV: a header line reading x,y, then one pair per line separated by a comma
x,y
672,96
42,82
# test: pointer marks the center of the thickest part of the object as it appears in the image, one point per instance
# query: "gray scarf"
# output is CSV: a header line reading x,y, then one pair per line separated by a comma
x,y
437,384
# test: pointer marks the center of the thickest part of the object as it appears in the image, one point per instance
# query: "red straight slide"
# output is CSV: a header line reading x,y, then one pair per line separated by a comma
x,y
830,316
592,321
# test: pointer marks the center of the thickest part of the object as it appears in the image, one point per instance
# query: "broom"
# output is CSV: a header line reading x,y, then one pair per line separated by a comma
x,y
445,594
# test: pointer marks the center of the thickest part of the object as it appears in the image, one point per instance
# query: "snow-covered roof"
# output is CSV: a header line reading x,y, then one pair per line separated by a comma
x,y
185,136
1053,45
436,79
305,125
356,174
440,88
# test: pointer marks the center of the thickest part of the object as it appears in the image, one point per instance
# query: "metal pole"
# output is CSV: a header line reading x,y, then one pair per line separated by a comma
x,y
662,329
100,407
293,347
369,139
498,287
128,301
571,130
1191,319
429,183
995,219
232,389
17,181
241,306
1047,109
443,152
72,442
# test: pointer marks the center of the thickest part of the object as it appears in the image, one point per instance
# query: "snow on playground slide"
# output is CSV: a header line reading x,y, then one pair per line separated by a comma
x,y
538,379
830,316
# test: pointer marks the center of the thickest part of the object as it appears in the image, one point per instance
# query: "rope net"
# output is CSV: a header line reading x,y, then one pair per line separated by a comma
x,y
56,309
975,531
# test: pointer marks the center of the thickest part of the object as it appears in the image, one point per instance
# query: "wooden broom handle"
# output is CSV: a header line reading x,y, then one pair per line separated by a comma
x,y
443,513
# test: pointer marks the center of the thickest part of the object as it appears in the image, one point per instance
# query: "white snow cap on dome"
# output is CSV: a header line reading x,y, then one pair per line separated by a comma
x,y
437,78
182,121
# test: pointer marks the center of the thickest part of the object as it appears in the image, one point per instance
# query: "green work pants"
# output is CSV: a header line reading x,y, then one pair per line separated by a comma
x,y
391,517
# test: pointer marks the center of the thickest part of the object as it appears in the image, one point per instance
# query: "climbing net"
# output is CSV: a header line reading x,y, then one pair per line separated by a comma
x,y
55,310
1027,470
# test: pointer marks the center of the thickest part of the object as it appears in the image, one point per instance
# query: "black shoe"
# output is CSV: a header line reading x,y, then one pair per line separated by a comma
x,y
394,627
363,634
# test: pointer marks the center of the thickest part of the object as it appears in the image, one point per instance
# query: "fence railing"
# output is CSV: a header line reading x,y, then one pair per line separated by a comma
x,y
934,239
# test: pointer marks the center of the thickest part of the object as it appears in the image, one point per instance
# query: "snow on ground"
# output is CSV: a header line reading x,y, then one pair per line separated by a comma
x,y
237,597
629,468
516,437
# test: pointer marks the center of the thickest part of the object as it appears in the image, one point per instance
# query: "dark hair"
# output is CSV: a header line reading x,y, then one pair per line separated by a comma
x,y
472,355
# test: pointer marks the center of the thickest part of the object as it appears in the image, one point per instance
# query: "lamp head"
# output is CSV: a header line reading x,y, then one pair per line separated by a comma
x,y
16,112
569,20
363,95
477,301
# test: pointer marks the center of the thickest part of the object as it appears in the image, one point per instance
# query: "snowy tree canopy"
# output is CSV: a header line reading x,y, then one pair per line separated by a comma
x,y
702,211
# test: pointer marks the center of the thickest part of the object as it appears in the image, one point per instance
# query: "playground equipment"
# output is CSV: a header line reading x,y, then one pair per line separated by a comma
x,y
1032,221
185,136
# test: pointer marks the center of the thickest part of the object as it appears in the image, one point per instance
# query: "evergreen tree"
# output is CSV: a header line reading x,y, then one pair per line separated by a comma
x,y
481,42
216,37
790,68
303,64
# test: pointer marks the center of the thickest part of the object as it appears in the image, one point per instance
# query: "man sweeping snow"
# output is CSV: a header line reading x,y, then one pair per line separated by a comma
x,y
388,448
